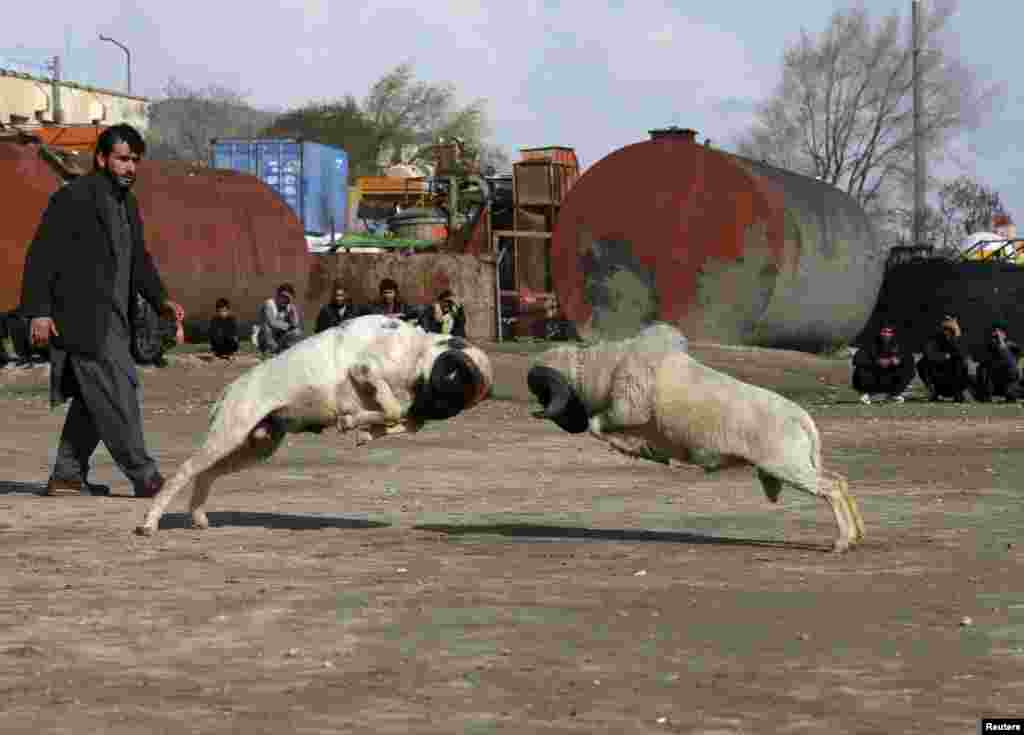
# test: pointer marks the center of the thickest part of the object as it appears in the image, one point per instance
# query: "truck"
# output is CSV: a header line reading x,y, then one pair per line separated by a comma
x,y
312,178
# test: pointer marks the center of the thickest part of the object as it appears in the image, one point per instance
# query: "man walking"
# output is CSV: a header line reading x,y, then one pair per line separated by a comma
x,y
86,263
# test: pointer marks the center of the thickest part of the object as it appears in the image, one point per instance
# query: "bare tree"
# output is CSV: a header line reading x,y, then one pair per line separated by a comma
x,y
406,112
964,206
969,206
844,109
182,123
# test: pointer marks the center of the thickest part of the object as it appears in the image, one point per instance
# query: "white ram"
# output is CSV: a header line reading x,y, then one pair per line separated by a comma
x,y
638,396
374,374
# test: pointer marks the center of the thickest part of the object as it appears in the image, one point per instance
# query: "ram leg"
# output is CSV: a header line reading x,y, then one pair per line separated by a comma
x,y
771,484
200,493
207,465
842,484
366,381
831,492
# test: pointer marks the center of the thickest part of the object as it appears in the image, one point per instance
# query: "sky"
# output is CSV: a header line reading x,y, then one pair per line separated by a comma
x,y
592,75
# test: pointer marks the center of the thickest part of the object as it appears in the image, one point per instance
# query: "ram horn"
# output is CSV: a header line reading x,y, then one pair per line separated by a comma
x,y
550,388
454,383
561,404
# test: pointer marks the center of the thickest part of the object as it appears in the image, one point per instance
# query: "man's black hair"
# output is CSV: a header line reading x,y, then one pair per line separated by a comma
x,y
388,284
223,303
287,288
120,133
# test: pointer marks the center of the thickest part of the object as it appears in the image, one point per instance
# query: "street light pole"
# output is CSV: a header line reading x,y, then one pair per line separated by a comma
x,y
919,176
126,53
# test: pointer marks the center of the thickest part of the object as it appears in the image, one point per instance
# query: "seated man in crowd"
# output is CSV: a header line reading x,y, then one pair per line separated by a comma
x,y
223,331
998,370
883,366
390,304
445,316
943,368
338,310
280,325
554,326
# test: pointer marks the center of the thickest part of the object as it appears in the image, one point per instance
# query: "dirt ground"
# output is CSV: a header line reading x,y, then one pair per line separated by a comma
x,y
492,574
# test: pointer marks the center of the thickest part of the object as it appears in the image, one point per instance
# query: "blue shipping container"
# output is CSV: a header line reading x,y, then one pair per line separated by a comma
x,y
311,177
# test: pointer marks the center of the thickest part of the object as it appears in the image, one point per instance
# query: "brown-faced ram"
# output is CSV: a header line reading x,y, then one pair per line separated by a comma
x,y
642,396
374,375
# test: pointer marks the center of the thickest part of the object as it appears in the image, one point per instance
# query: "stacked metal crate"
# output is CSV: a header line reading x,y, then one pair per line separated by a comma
x,y
541,180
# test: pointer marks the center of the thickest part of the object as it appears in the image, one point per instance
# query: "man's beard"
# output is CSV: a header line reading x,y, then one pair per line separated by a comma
x,y
124,183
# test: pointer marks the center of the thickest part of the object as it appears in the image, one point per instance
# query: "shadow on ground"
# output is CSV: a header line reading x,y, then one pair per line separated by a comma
x,y
8,487
534,532
286,521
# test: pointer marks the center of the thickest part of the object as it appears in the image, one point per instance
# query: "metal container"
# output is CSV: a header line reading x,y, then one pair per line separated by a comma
x,y
26,183
423,223
557,153
418,223
216,233
916,295
311,177
730,250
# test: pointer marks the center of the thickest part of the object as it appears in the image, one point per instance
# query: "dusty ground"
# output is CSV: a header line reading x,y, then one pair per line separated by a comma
x,y
495,575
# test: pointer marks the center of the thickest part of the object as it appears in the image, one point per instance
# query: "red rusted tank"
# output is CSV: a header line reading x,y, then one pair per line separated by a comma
x,y
729,249
26,182
213,233
217,233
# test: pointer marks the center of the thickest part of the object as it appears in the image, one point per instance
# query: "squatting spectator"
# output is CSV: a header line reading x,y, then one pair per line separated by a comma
x,y
224,331
389,302
998,370
883,366
445,316
338,310
280,325
943,368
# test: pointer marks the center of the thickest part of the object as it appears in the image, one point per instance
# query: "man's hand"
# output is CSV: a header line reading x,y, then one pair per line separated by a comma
x,y
174,309
42,328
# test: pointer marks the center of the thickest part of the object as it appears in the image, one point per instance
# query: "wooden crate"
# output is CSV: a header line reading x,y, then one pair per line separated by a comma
x,y
391,185
541,183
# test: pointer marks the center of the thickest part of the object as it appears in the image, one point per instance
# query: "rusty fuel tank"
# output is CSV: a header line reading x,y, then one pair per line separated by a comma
x,y
215,233
26,182
212,233
731,250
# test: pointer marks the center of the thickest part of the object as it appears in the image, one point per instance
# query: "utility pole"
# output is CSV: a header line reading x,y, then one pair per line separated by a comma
x,y
127,53
58,110
919,177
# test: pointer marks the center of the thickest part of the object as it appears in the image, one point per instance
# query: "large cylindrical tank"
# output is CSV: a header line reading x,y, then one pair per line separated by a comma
x,y
212,233
730,250
26,182
217,233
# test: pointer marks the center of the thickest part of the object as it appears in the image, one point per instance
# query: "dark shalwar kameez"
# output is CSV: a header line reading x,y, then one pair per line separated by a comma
x,y
104,390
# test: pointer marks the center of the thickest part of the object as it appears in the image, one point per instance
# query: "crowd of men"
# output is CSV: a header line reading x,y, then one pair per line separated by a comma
x,y
279,322
885,367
